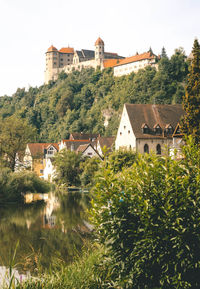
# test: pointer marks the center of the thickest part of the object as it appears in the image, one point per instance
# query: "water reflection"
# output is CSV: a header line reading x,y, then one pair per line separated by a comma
x,y
48,231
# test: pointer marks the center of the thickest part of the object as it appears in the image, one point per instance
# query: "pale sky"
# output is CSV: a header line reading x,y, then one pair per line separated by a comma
x,y
30,27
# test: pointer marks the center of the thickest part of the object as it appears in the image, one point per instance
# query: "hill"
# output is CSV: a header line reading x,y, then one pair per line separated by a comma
x,y
88,100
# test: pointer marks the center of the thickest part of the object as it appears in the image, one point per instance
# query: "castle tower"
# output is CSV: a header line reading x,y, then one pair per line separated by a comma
x,y
99,49
52,63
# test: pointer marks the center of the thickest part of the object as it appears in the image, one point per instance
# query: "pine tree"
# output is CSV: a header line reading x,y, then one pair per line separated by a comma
x,y
164,53
191,101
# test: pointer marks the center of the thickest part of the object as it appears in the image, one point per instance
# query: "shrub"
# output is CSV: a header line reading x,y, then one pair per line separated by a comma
x,y
148,217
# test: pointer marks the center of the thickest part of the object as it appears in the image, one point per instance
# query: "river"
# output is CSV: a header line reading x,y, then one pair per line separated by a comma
x,y
48,232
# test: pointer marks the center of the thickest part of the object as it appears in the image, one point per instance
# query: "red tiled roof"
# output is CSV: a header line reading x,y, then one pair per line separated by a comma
x,y
111,62
67,50
52,48
99,41
138,57
37,149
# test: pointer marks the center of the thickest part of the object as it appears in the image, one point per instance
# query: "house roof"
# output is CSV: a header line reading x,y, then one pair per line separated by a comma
x,y
99,41
106,141
75,143
52,48
67,50
152,114
82,136
37,149
137,57
83,147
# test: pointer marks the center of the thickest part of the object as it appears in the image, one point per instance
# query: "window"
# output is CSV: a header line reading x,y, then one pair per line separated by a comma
x,y
145,128
120,133
157,129
50,151
128,131
146,148
89,154
158,149
124,127
41,171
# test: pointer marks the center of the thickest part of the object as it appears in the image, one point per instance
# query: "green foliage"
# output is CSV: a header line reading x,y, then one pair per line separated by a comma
x,y
80,274
13,185
89,168
191,100
74,170
75,102
120,159
15,133
67,164
148,218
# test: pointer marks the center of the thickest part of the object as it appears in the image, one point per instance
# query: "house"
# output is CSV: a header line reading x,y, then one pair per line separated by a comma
x,y
87,150
49,170
36,155
134,63
105,144
72,145
178,142
148,127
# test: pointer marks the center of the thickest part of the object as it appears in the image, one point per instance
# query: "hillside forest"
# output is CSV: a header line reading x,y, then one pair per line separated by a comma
x,y
92,100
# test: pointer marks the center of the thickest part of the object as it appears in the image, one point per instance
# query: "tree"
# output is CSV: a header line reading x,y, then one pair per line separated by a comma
x,y
164,53
15,133
89,168
191,100
67,164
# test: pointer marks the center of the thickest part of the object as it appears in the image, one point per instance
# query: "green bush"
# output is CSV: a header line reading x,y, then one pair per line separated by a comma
x,y
13,185
148,217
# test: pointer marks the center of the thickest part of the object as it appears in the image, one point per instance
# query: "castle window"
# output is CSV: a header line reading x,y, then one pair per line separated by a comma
x,y
124,127
120,133
128,131
146,148
158,149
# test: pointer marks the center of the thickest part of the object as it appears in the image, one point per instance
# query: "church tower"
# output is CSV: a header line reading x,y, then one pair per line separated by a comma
x,y
99,49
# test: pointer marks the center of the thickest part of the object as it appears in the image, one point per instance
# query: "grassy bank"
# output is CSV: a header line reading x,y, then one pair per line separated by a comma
x,y
79,274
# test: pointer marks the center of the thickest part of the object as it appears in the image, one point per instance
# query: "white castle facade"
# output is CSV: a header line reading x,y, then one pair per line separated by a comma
x,y
67,59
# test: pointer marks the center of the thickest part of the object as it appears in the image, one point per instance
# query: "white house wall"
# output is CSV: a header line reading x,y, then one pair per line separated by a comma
x,y
125,136
89,152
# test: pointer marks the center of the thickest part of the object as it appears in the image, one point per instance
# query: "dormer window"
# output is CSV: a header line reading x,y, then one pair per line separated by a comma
x,y
50,151
145,128
169,129
157,129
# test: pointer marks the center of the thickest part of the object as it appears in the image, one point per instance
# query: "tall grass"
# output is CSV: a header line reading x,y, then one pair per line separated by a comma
x,y
79,274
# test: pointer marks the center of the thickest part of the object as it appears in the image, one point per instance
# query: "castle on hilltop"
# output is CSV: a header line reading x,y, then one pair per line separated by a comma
x,y
67,59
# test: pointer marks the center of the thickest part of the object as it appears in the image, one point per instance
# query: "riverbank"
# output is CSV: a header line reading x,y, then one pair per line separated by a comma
x,y
80,274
